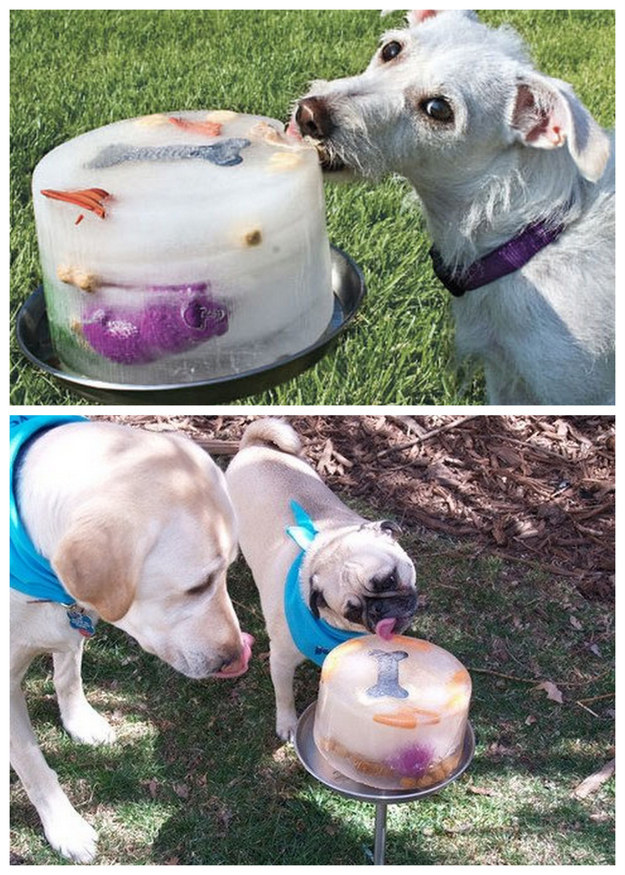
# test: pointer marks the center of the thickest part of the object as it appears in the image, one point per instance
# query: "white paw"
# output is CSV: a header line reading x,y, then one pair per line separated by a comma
x,y
73,837
286,725
89,727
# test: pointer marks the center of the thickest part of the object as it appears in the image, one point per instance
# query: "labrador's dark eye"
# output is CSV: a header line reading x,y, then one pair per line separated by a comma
x,y
201,587
390,51
438,108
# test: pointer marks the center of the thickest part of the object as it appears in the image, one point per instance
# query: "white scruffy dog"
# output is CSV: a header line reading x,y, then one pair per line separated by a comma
x,y
494,150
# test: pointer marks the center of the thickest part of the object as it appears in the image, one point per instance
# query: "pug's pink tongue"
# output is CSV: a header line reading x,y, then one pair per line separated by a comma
x,y
236,669
385,628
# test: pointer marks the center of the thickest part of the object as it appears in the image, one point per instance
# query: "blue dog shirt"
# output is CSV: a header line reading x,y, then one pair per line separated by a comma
x,y
312,636
31,573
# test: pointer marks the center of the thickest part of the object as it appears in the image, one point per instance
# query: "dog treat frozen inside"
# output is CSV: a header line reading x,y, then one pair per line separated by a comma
x,y
180,247
392,713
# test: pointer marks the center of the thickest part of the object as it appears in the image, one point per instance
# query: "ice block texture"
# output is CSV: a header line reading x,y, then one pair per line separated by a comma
x,y
182,246
392,713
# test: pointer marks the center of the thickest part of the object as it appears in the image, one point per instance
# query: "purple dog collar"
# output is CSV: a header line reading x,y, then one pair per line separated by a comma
x,y
502,261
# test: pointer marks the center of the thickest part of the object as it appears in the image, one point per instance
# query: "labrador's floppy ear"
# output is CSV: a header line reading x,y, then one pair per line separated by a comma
x,y
99,561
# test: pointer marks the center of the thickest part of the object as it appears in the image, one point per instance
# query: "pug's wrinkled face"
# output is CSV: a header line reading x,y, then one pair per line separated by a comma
x,y
361,577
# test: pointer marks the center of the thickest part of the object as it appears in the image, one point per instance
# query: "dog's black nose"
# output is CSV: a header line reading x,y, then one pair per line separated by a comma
x,y
313,118
402,607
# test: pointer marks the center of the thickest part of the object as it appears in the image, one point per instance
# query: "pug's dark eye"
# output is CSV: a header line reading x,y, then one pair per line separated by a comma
x,y
385,584
438,108
390,51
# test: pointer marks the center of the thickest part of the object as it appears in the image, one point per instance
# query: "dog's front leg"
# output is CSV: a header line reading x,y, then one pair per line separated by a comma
x,y
65,829
504,387
283,660
83,722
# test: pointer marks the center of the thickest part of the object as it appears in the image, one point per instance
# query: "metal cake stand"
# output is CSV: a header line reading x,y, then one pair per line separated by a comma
x,y
316,764
33,335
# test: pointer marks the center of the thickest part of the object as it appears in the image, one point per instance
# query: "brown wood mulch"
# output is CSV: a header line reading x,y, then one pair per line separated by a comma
x,y
538,490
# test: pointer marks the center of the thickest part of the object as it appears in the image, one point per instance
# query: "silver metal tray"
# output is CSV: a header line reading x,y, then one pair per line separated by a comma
x,y
33,336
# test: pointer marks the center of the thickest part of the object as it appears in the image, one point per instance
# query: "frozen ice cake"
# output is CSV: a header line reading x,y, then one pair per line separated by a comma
x,y
182,246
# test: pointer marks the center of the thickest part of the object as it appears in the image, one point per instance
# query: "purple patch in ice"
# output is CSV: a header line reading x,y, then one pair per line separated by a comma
x,y
187,316
411,762
115,335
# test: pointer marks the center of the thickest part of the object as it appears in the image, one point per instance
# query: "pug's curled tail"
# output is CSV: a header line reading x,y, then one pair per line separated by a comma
x,y
272,432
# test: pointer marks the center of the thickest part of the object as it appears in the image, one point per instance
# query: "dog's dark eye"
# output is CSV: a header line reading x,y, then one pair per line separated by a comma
x,y
353,612
438,108
201,587
390,51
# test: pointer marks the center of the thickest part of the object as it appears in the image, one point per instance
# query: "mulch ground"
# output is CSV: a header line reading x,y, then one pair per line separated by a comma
x,y
538,490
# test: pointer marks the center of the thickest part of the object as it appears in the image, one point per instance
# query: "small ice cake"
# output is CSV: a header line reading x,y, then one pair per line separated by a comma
x,y
392,713
182,246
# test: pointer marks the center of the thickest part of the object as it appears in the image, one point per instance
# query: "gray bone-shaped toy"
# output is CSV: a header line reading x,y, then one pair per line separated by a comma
x,y
225,153
388,674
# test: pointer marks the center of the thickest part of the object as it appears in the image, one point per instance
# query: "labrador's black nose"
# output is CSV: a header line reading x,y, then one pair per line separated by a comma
x,y
313,118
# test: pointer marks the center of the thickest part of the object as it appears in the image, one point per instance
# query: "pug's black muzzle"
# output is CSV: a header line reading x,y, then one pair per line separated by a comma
x,y
401,608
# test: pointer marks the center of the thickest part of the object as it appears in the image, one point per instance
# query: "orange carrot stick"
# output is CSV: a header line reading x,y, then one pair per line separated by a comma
x,y
87,198
207,128
399,720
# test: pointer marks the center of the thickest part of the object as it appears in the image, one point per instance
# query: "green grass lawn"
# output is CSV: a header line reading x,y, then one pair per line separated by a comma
x,y
198,776
75,70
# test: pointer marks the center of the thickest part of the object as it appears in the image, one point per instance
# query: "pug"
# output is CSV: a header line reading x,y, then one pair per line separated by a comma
x,y
323,572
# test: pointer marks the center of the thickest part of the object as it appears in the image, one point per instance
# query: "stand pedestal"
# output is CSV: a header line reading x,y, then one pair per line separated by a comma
x,y
379,845
316,764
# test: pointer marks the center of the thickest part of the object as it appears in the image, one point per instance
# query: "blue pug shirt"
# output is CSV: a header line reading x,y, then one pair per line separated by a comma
x,y
31,573
312,636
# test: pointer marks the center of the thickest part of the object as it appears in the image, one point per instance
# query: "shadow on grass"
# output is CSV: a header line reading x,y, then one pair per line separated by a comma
x,y
199,776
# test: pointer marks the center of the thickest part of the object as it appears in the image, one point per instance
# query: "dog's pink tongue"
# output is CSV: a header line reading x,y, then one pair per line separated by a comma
x,y
236,669
292,130
385,628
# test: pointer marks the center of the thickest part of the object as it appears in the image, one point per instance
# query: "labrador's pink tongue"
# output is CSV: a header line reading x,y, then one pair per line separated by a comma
x,y
235,669
385,628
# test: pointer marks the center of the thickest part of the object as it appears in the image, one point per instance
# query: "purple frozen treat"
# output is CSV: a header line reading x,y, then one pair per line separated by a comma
x,y
177,325
186,317
411,762
116,336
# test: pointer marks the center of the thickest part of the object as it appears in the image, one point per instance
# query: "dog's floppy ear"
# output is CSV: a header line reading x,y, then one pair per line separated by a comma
x,y
385,527
418,16
99,563
389,527
547,115
316,599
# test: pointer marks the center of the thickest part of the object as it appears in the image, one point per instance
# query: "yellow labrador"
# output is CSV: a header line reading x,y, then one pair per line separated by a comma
x,y
137,529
